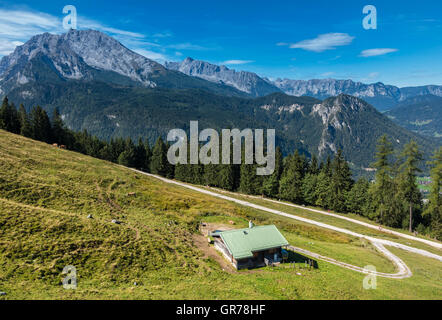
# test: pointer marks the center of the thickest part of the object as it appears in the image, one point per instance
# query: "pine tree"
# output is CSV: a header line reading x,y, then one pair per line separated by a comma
x,y
271,183
357,197
313,166
25,124
148,158
3,113
41,126
290,186
159,162
140,155
128,157
409,169
309,187
250,182
58,129
9,119
226,176
433,209
327,167
323,189
341,182
381,190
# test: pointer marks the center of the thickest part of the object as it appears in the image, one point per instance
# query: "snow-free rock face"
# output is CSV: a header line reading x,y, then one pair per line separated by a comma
x,y
75,55
244,81
382,96
103,52
88,55
324,88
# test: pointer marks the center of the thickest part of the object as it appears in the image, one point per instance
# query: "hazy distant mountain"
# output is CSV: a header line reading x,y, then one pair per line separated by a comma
x,y
245,81
380,95
421,114
383,97
90,55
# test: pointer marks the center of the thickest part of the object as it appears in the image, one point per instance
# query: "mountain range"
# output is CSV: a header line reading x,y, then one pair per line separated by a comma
x,y
383,97
91,55
103,87
247,82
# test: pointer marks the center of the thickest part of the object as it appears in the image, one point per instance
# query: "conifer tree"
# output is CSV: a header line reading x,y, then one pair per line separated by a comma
x,y
410,167
290,187
381,190
250,182
434,208
309,188
25,124
341,182
159,160
148,157
9,119
313,166
271,182
128,157
323,189
41,126
140,155
357,197
58,129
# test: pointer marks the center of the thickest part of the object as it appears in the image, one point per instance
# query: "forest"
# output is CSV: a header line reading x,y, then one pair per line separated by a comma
x,y
392,198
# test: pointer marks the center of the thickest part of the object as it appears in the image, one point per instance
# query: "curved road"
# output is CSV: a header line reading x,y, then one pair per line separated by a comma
x,y
403,270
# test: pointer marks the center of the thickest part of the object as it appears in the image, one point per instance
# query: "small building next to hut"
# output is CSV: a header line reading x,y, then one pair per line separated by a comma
x,y
253,247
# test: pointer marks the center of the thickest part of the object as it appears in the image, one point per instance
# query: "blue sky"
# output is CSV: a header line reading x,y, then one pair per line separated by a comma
x,y
287,39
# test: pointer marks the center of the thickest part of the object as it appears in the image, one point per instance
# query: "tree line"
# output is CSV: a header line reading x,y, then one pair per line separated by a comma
x,y
392,199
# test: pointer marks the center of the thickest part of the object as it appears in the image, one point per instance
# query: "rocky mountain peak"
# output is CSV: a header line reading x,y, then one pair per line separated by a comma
x,y
244,81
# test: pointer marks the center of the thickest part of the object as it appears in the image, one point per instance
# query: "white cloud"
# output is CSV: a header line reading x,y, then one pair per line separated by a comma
x,y
376,52
236,62
323,42
159,57
85,23
18,26
186,46
371,77
7,47
327,74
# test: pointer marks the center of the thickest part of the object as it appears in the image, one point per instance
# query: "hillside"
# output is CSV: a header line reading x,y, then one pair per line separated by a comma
x,y
421,114
47,193
301,123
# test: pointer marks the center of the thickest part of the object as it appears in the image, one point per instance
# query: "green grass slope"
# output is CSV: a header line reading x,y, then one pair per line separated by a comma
x,y
46,195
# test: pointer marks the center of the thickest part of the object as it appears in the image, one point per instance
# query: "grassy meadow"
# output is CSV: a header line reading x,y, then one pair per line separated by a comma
x,y
47,194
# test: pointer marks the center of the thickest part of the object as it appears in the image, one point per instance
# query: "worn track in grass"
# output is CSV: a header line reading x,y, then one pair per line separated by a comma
x,y
379,244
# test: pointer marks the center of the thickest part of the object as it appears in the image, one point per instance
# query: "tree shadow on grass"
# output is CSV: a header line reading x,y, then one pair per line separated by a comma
x,y
294,257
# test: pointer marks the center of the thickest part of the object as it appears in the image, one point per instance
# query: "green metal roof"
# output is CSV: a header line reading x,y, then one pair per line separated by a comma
x,y
243,242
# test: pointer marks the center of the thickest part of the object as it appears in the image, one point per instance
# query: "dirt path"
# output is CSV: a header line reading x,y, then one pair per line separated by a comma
x,y
209,252
403,270
365,224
